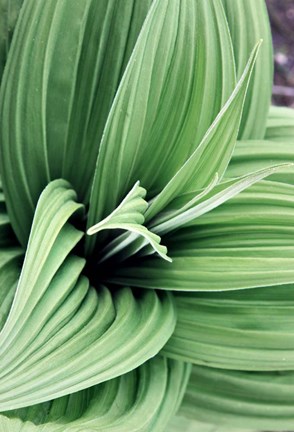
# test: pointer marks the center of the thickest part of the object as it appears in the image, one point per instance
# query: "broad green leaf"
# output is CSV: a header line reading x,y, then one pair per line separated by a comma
x,y
245,243
173,220
252,155
208,163
129,216
215,150
9,11
10,262
187,207
180,423
61,334
169,95
248,22
57,92
280,124
142,400
242,330
233,399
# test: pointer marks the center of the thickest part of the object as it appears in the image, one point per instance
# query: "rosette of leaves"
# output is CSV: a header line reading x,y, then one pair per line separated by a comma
x,y
138,236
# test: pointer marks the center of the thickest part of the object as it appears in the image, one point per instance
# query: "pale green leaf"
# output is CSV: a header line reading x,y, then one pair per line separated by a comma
x,y
142,400
57,92
215,150
10,262
245,243
9,11
232,399
280,124
129,216
169,95
61,334
242,330
220,194
252,155
248,22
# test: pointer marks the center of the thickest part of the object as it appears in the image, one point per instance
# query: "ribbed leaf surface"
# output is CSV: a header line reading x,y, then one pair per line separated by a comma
x,y
280,124
62,335
245,243
170,94
248,22
129,216
260,401
141,401
57,93
10,262
213,154
242,330
9,11
250,156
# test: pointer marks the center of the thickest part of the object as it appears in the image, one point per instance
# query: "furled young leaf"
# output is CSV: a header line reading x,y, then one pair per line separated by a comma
x,y
233,399
173,220
280,124
129,216
215,150
169,95
62,335
57,92
245,243
202,170
9,11
242,330
142,400
248,22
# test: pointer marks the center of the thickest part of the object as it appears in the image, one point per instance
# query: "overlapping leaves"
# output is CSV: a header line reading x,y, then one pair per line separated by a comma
x,y
143,91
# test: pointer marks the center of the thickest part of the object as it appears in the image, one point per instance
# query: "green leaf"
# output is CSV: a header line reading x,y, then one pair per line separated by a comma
x,y
280,124
10,262
57,92
173,220
144,399
259,401
9,11
215,150
245,243
129,216
252,155
168,97
248,22
241,330
61,334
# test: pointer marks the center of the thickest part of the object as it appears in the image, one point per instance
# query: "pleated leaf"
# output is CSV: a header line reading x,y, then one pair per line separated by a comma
x,y
129,216
61,334
255,400
9,11
142,400
215,150
280,124
174,219
57,92
170,94
245,243
248,22
253,155
242,330
203,169
10,262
